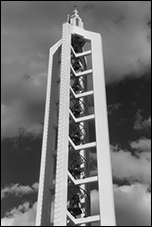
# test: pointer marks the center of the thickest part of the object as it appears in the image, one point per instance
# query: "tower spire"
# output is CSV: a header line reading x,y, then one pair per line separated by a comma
x,y
74,19
75,11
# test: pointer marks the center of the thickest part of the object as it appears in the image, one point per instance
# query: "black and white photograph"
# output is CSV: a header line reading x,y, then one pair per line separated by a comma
x,y
75,113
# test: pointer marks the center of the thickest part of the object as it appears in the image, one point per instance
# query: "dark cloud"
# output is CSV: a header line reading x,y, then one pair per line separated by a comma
x,y
20,164
29,29
88,6
149,24
21,159
119,20
131,95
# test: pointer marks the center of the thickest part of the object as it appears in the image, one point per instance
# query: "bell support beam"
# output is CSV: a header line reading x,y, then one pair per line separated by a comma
x,y
81,95
86,72
86,220
82,181
80,119
83,146
77,55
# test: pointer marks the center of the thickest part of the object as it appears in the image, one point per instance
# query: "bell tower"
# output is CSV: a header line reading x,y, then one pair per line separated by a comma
x,y
75,150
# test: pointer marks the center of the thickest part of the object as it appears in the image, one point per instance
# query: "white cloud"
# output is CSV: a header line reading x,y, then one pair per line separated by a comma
x,y
18,190
145,155
35,186
127,166
132,205
142,148
23,215
140,123
142,144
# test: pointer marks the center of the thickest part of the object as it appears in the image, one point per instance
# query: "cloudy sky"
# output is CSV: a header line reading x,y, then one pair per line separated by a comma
x,y
28,30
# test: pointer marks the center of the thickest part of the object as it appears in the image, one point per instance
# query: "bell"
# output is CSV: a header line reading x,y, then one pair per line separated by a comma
x,y
76,211
74,207
76,65
76,139
77,88
77,112
77,172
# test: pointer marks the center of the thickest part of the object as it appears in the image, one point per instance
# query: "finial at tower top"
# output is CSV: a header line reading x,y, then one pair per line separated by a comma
x,y
75,11
74,19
